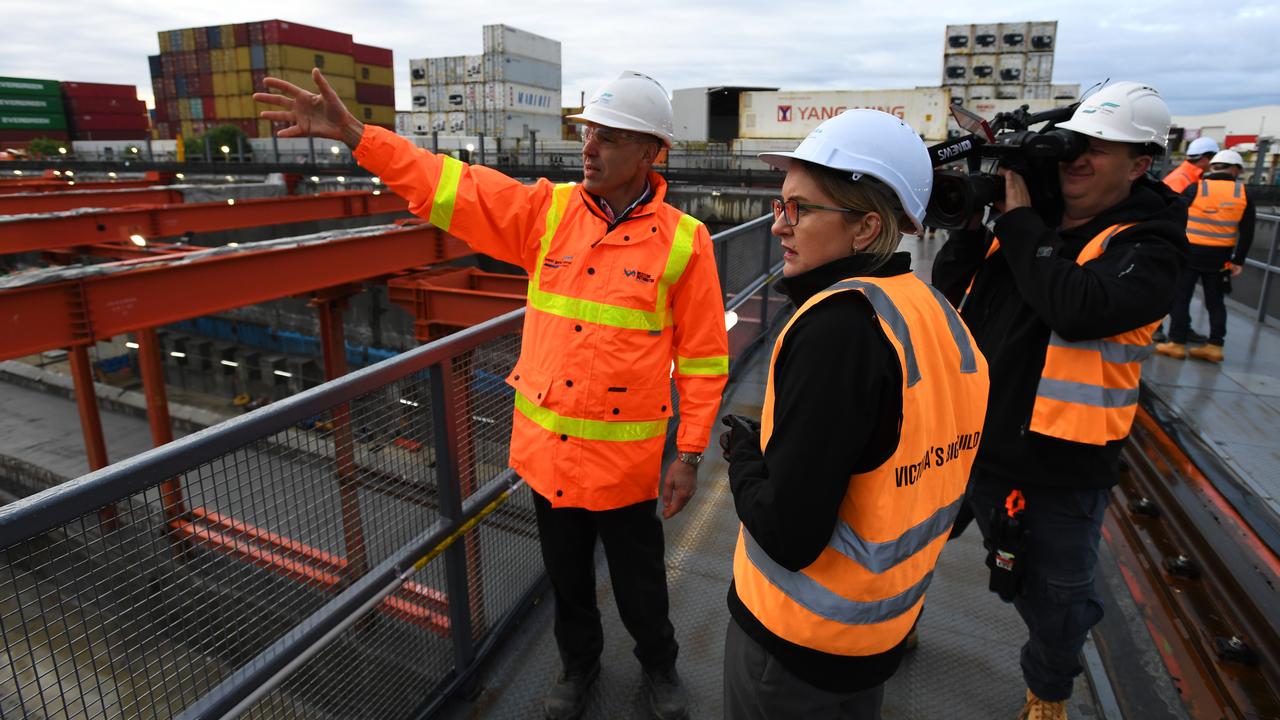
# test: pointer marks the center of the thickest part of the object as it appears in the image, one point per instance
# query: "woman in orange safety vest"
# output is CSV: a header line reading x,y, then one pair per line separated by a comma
x,y
850,483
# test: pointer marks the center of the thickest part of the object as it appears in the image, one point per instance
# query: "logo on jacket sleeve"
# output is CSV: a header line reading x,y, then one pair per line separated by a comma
x,y
638,275
555,263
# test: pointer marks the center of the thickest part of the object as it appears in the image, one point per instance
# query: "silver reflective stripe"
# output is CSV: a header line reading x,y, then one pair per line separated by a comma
x,y
968,363
1210,221
1206,233
1107,240
816,598
1085,394
888,312
1239,186
1112,352
879,557
1204,188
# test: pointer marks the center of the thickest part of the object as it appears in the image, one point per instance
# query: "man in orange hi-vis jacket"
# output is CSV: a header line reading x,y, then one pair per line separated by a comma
x,y
623,296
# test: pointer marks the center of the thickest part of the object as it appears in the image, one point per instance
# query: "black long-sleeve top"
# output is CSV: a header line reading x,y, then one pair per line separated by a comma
x,y
837,409
1031,286
1247,221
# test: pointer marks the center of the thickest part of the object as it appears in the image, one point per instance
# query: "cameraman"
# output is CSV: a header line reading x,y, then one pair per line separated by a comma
x,y
1063,308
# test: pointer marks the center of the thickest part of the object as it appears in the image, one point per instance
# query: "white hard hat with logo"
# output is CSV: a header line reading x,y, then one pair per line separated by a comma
x,y
1227,157
634,101
1126,112
870,142
1202,146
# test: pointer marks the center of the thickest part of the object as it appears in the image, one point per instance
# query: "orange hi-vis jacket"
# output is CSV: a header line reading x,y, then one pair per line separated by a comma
x,y
610,312
1183,176
864,592
1088,391
1214,216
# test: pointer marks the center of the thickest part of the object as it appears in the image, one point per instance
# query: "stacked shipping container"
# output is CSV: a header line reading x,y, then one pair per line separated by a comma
x,y
509,90
1005,61
205,77
99,111
29,109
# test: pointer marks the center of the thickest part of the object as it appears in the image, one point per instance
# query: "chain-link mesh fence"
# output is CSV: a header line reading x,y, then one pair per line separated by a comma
x,y
273,564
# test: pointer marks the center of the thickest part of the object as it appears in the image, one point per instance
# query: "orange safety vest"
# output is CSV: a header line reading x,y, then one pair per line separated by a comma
x,y
864,592
1088,391
613,316
1214,216
1183,176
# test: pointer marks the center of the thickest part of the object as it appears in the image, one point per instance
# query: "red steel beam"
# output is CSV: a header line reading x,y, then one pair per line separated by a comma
x,y
48,202
459,297
52,185
45,233
38,317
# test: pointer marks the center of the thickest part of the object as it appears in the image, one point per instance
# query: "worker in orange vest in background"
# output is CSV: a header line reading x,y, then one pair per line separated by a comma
x,y
1220,229
1199,153
623,296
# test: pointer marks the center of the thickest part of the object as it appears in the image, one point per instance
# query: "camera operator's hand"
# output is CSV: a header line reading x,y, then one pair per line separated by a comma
x,y
1016,194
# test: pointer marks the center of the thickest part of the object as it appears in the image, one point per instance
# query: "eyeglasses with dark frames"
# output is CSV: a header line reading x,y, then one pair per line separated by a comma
x,y
790,209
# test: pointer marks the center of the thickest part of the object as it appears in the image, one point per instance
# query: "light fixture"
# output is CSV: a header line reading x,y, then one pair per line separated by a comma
x,y
57,173
283,374
177,354
377,192
230,179
132,345
315,178
335,150
138,240
133,150
376,181
181,176
70,172
231,201
342,178
71,182
410,403
225,149
471,147
230,363
233,244
62,151
730,319
112,174
17,172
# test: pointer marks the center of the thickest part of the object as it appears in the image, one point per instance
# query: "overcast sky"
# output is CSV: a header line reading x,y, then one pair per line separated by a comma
x,y
1204,57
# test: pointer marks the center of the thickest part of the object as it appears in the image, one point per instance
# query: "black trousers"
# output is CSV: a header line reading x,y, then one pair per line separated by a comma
x,y
633,547
1204,267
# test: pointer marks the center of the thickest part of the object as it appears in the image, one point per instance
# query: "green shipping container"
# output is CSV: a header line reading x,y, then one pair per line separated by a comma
x,y
31,104
28,86
14,121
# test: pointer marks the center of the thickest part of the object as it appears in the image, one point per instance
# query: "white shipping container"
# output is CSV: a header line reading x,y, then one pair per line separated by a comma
x,y
455,69
420,95
979,92
1037,92
955,70
404,123
1009,68
1043,36
514,97
959,40
989,108
794,114
1039,68
473,68
421,123
473,97
435,71
418,72
1065,92
518,125
455,122
982,69
986,38
518,69
1013,37
1008,92
506,40
454,97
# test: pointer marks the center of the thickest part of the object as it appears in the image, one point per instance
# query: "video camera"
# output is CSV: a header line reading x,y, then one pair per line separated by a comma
x,y
1006,141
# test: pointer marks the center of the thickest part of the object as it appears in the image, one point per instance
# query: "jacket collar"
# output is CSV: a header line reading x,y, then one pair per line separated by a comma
x,y
805,285
656,196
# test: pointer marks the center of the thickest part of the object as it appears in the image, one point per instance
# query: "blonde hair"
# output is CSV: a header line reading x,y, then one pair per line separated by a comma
x,y
867,195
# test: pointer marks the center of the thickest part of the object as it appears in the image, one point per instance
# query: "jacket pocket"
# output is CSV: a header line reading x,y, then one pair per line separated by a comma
x,y
532,383
620,402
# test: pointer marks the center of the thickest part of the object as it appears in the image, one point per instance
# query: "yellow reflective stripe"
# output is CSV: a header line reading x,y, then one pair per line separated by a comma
x,y
446,193
717,365
590,429
559,199
597,312
681,251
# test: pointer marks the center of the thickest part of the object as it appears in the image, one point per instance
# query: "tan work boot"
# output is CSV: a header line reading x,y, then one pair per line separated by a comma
x,y
1037,709
1177,351
1210,353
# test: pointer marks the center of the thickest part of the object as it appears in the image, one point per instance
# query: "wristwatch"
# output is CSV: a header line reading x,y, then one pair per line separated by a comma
x,y
691,458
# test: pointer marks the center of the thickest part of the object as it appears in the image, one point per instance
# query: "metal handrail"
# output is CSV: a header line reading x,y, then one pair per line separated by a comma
x,y
1268,268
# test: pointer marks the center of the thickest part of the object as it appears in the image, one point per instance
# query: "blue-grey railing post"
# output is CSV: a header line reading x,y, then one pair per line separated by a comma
x,y
722,264
311,151
1266,273
766,246
275,147
445,408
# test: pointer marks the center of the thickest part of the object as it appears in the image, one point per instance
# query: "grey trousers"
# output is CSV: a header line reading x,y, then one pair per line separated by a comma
x,y
758,687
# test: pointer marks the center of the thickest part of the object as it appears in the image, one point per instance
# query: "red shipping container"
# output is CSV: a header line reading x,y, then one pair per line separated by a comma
x,y
91,105
100,90
171,109
162,129
204,86
241,31
171,87
161,112
370,55
375,94
204,64
139,135
249,127
202,38
290,33
258,77
22,136
108,121
210,108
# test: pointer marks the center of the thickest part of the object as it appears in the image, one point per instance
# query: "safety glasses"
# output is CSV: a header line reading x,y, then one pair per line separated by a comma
x,y
790,209
610,136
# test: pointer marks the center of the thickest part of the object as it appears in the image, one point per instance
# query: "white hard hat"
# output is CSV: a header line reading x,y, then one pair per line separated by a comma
x,y
634,101
1126,112
870,142
1227,157
1202,146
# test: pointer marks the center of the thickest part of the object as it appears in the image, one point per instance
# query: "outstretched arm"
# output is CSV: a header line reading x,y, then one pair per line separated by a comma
x,y
311,114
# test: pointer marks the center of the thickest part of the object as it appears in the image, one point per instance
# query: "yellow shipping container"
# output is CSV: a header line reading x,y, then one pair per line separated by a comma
x,y
264,128
374,75
221,108
244,82
189,39
228,35
220,84
377,114
217,62
184,110
163,35
291,57
344,86
242,105
187,128
242,59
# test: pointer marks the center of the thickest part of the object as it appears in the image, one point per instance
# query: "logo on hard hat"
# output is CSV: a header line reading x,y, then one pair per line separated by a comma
x,y
784,113
604,98
1108,107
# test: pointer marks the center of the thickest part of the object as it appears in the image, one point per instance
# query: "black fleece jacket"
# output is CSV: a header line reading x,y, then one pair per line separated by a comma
x,y
1032,285
837,408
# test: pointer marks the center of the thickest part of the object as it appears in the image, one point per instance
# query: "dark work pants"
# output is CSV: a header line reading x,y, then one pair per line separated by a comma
x,y
633,547
758,687
1058,602
1205,267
